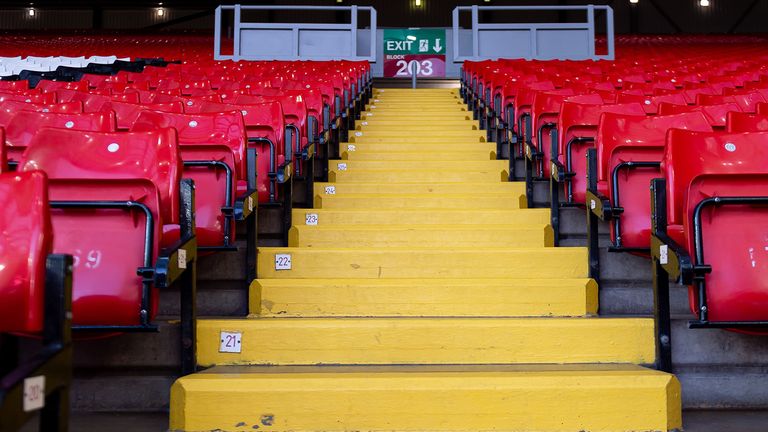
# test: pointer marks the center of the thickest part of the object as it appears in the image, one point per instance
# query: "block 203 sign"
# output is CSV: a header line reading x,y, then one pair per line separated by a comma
x,y
405,49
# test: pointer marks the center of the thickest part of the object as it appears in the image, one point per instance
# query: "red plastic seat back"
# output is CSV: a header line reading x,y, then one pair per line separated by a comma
x,y
261,121
739,122
715,114
746,101
108,245
25,124
26,239
701,166
127,113
9,108
223,128
580,120
622,139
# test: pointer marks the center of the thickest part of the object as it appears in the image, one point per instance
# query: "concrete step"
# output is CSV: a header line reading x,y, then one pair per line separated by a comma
x,y
488,174
398,263
396,341
522,398
422,297
348,217
421,201
417,188
382,236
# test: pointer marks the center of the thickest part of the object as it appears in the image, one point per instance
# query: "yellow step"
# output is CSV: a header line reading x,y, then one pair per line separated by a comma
x,y
470,135
359,152
433,147
525,398
309,341
423,217
422,201
459,166
396,117
422,297
419,188
367,126
413,176
410,141
519,263
382,236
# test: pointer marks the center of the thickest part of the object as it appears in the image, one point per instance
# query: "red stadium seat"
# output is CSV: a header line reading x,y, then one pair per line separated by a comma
x,y
739,122
35,295
23,126
714,193
627,155
26,239
715,114
213,148
111,194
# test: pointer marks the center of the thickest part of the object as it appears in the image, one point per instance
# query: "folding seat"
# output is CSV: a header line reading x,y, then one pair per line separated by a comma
x,y
9,108
35,293
296,124
746,101
715,114
740,122
651,103
522,106
709,223
47,86
29,96
576,131
266,132
14,86
213,150
24,125
127,113
111,195
538,151
627,155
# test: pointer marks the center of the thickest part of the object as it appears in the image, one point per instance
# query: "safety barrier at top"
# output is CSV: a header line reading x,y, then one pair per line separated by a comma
x,y
532,41
296,41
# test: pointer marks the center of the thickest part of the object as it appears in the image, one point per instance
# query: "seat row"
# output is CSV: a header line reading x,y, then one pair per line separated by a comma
x,y
139,178
601,140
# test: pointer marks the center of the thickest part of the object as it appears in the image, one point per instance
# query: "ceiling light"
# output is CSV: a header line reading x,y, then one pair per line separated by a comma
x,y
418,3
704,3
160,12
634,1
31,12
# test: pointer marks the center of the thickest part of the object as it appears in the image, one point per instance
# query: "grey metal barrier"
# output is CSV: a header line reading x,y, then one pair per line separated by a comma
x,y
537,41
296,41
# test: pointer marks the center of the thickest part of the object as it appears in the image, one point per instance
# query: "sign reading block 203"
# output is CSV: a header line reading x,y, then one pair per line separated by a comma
x,y
405,49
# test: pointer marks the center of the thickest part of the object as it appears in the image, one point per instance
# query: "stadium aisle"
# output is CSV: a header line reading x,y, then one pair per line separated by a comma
x,y
421,294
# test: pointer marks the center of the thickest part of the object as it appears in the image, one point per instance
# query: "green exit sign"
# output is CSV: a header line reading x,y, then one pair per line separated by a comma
x,y
414,41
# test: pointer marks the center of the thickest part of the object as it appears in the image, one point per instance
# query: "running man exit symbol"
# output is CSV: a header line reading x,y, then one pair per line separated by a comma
x,y
423,45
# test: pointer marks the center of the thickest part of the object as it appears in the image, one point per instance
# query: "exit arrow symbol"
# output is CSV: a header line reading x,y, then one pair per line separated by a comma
x,y
437,46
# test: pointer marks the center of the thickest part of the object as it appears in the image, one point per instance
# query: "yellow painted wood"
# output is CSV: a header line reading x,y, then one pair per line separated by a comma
x,y
416,176
381,236
470,165
530,398
296,341
282,298
362,154
422,217
421,201
420,188
426,262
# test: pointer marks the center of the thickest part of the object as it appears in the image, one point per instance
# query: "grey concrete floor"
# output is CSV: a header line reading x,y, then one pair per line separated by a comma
x,y
695,421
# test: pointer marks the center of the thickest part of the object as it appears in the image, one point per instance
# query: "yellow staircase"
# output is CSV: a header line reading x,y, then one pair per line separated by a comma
x,y
421,295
